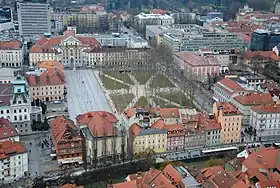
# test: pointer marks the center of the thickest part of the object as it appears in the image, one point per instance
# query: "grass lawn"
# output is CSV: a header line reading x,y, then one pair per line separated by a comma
x,y
163,104
121,101
142,102
142,76
111,84
161,81
120,76
177,97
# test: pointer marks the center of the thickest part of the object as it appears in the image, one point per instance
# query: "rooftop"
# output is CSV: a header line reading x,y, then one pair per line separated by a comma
x,y
51,76
229,85
11,148
51,64
261,54
196,60
153,16
267,109
10,45
255,99
7,130
99,122
5,94
228,109
63,130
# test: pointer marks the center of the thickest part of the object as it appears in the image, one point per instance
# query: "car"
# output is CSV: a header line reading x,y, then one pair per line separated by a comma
x,y
57,102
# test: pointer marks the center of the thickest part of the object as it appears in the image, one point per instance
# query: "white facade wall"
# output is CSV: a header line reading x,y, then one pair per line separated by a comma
x,y
13,168
267,125
11,58
35,58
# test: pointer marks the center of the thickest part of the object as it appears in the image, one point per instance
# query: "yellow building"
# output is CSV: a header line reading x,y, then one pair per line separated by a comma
x,y
230,119
142,139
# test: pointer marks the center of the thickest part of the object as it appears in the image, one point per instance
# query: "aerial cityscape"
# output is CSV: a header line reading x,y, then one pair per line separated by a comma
x,y
140,94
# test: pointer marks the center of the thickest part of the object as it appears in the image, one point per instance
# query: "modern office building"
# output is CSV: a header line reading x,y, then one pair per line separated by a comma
x,y
34,19
264,40
196,40
6,19
141,20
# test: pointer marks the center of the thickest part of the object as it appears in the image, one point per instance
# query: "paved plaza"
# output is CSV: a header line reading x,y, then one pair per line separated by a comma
x,y
84,93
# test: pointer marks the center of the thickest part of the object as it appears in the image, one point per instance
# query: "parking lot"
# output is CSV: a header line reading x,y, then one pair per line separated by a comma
x,y
84,93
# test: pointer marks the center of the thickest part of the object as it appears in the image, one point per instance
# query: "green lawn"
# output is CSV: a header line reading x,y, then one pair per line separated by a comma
x,y
161,81
142,102
120,76
111,84
121,101
162,104
142,76
177,97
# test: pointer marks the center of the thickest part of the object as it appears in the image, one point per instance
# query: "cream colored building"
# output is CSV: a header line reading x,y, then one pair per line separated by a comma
x,y
143,139
230,119
118,56
11,53
49,86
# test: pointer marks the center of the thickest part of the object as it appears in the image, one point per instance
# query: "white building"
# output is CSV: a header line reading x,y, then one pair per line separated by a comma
x,y
142,19
6,75
266,121
11,53
34,19
15,105
226,89
13,161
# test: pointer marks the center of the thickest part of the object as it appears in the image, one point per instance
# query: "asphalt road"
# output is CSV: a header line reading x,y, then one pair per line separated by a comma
x,y
84,93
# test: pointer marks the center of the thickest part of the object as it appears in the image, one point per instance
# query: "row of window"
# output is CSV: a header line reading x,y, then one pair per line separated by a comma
x,y
15,111
46,88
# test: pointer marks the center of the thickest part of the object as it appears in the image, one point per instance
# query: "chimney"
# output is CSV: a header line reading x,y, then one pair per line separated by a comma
x,y
260,160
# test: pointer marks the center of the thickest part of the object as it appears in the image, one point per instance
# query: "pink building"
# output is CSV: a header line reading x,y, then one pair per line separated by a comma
x,y
175,137
195,65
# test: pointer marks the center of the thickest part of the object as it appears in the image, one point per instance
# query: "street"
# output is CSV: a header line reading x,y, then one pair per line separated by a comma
x,y
84,93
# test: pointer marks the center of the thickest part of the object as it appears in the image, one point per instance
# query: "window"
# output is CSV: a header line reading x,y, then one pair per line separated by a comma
x,y
15,111
2,112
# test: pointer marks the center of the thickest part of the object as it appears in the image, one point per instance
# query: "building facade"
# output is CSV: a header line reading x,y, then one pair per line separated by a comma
x,y
264,40
230,119
142,19
67,141
34,19
104,142
264,120
244,103
175,137
13,161
194,41
194,65
226,89
11,53
49,86
145,138
16,106
112,57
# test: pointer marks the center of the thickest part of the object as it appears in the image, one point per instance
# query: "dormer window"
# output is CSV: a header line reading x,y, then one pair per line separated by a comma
x,y
19,90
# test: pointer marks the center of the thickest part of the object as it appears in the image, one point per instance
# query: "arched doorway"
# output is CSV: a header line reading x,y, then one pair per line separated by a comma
x,y
47,99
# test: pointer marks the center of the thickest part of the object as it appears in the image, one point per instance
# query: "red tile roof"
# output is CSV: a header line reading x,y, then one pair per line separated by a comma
x,y
52,64
270,85
134,129
99,122
10,148
209,173
71,186
7,130
63,130
268,184
225,180
255,99
5,94
265,158
129,112
159,11
159,124
127,184
229,85
50,77
263,54
228,109
196,60
172,174
267,109
211,124
166,112
10,45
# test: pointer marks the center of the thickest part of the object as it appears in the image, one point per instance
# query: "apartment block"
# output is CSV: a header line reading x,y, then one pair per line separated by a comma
x,y
265,120
13,161
48,86
67,141
244,103
230,119
11,53
34,19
